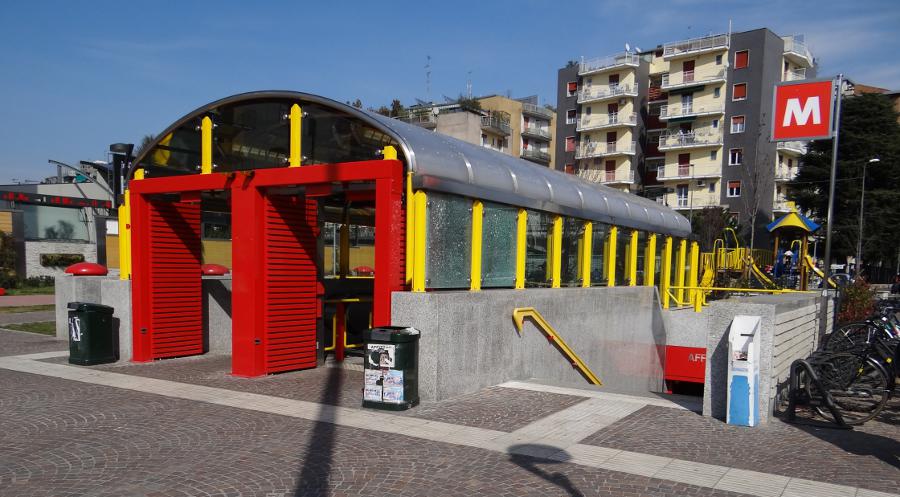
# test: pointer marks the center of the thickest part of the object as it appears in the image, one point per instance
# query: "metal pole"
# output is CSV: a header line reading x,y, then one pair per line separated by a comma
x,y
834,152
862,203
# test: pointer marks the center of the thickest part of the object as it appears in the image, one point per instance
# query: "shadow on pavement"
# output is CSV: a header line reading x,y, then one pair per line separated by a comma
x,y
528,456
318,460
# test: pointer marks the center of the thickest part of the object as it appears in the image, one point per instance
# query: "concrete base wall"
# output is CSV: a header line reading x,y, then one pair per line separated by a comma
x,y
34,249
469,341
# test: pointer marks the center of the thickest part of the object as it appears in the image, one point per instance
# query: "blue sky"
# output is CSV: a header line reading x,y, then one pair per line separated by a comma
x,y
78,76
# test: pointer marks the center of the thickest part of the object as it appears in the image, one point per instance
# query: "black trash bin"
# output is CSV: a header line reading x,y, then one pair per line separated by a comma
x,y
392,368
91,335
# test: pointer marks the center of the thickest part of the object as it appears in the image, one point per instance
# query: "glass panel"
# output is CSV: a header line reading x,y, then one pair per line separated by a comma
x,y
536,269
448,240
45,222
256,134
642,244
331,253
598,254
362,250
572,238
622,240
498,246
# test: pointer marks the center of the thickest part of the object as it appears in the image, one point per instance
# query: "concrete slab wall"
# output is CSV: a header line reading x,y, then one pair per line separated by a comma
x,y
469,341
34,249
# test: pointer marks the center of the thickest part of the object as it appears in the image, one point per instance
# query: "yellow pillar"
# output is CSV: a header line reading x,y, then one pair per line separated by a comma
x,y
679,270
650,260
206,145
611,240
521,249
587,251
389,153
418,281
666,273
555,254
693,294
477,221
296,155
632,258
124,237
410,232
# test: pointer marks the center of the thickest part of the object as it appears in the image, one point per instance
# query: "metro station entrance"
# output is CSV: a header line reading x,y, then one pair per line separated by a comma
x,y
278,289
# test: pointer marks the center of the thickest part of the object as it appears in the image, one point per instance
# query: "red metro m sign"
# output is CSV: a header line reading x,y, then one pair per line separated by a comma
x,y
803,110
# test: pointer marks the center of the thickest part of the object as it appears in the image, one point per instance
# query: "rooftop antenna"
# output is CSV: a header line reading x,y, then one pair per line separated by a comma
x,y
428,77
469,84
627,47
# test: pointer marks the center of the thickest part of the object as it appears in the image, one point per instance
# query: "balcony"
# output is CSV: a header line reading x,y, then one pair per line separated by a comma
x,y
686,171
696,46
795,75
536,132
424,119
597,93
693,139
680,111
537,111
607,177
795,51
604,121
782,204
535,155
493,124
687,79
792,147
783,174
601,149
611,62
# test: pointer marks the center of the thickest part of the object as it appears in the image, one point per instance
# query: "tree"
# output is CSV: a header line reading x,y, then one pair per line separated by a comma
x,y
869,129
470,104
758,174
357,103
146,141
384,111
397,108
708,224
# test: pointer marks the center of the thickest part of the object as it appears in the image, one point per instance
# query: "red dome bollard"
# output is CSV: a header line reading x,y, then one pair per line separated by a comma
x,y
87,269
213,270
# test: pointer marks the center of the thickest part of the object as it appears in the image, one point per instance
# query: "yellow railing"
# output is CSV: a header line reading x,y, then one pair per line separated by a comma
x,y
519,315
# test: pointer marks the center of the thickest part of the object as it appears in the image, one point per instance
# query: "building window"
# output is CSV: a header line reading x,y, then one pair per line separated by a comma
x,y
712,187
589,110
741,59
571,88
717,92
483,140
570,168
735,157
790,163
719,60
734,188
571,116
715,124
739,91
713,154
681,194
570,144
737,124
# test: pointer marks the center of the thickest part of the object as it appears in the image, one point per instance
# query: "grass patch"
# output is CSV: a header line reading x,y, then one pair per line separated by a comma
x,y
41,327
32,290
26,308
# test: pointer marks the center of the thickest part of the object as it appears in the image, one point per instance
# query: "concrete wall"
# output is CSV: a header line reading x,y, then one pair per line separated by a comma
x,y
789,331
34,249
469,341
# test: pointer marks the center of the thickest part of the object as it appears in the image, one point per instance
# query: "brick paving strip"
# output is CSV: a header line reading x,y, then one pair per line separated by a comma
x,y
557,445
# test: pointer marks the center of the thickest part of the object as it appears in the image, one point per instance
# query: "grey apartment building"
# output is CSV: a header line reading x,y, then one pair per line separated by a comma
x,y
686,123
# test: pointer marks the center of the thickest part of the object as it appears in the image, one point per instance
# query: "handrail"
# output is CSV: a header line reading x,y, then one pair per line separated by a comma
x,y
519,315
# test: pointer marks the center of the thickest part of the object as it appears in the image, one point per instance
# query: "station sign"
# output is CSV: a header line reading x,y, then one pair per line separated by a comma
x,y
803,110
54,200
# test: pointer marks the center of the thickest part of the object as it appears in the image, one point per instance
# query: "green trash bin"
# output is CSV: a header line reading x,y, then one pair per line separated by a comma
x,y
392,368
92,339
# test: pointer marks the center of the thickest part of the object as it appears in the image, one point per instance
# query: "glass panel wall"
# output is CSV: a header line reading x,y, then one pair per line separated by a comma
x,y
598,254
537,270
572,239
622,242
642,244
45,222
498,246
448,249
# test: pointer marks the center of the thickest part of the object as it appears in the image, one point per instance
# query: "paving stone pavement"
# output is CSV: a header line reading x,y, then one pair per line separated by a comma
x,y
17,343
866,457
63,438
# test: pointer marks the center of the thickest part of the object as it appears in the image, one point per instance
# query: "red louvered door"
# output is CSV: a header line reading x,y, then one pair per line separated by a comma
x,y
174,257
290,303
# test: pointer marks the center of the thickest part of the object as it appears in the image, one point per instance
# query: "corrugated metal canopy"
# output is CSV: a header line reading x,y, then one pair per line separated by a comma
x,y
442,163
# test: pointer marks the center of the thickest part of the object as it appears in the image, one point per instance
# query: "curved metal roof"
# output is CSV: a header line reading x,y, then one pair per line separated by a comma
x,y
442,163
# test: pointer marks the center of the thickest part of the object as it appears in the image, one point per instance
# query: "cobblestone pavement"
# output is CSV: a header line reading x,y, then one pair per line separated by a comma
x,y
27,317
18,343
63,438
866,457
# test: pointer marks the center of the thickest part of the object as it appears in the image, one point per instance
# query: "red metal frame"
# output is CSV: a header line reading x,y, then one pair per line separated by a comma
x,y
248,246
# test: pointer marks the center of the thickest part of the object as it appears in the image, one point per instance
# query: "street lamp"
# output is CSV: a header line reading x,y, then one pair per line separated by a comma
x,y
862,203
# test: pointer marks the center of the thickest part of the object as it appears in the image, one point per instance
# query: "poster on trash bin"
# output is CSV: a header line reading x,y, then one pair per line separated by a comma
x,y
373,377
393,394
372,392
393,378
381,355
75,329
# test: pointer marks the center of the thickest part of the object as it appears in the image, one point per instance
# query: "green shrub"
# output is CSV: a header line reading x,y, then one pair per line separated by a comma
x,y
857,301
60,260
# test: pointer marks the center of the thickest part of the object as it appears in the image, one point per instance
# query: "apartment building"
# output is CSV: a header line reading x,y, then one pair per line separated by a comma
x,y
686,123
518,127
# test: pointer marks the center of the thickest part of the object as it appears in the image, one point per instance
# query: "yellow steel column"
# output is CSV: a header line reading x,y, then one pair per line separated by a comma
x,y
665,273
555,254
612,241
206,145
679,270
418,282
124,237
296,119
587,250
521,249
410,232
632,258
477,221
650,260
693,294
389,153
